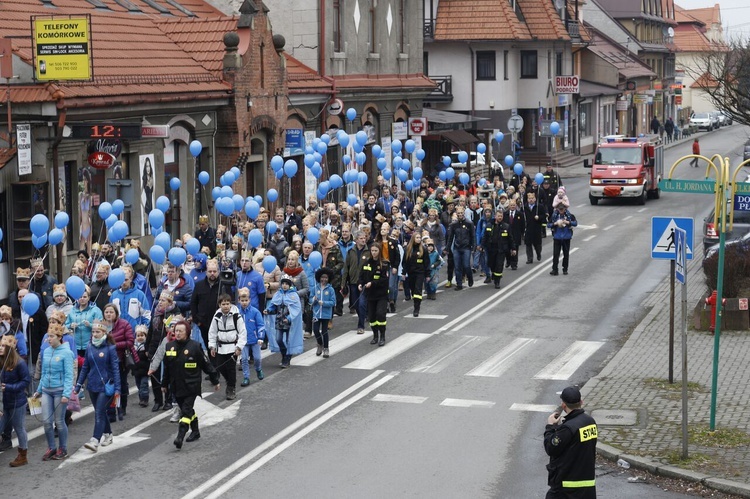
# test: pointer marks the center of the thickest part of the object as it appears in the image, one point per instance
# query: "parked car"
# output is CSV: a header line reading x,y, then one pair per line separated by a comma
x,y
746,151
722,118
727,118
741,226
714,115
712,250
476,159
702,121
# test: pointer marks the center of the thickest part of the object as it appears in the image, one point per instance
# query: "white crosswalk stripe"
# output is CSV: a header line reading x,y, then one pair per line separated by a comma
x,y
496,365
442,359
336,345
392,348
568,362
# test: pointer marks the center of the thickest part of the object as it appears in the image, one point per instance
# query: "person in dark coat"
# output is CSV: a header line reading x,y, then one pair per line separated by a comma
x,y
517,223
205,299
23,279
206,235
101,291
416,267
536,222
499,245
373,282
41,283
655,125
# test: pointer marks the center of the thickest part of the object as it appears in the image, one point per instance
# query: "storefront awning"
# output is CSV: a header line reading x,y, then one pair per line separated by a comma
x,y
591,89
445,120
459,138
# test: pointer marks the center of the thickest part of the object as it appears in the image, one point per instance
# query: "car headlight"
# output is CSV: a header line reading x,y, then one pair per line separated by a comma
x,y
596,181
632,181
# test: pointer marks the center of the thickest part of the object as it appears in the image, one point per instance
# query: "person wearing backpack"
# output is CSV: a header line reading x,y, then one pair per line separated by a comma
x,y
227,337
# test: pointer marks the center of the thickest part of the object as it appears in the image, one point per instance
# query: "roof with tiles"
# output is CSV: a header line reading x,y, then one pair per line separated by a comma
x,y
705,81
459,20
543,20
683,16
690,38
203,39
707,15
302,77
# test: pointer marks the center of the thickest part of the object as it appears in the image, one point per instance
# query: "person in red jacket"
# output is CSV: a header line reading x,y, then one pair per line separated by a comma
x,y
696,150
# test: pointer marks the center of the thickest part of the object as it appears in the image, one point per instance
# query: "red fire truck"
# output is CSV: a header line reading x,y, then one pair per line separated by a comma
x,y
626,167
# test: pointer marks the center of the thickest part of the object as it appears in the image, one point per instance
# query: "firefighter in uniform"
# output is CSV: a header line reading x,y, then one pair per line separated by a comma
x,y
570,442
551,176
498,244
373,282
183,362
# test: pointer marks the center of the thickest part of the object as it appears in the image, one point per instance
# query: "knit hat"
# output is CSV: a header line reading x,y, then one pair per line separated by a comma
x,y
287,278
561,191
58,290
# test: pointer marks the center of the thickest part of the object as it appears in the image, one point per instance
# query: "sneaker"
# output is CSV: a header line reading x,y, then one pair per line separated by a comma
x,y
245,382
92,444
168,405
307,336
458,288
319,350
106,440
565,272
143,403
360,331
260,374
230,393
60,455
448,284
49,454
176,415
325,353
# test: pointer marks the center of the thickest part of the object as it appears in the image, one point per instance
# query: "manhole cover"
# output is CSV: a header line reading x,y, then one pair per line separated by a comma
x,y
620,417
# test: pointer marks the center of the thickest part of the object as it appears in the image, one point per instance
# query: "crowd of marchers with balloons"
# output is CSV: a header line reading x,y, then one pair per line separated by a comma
x,y
300,262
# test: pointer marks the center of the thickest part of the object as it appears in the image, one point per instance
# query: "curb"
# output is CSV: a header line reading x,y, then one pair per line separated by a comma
x,y
720,484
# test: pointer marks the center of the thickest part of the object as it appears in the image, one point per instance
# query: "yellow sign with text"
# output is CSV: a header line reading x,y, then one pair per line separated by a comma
x,y
62,48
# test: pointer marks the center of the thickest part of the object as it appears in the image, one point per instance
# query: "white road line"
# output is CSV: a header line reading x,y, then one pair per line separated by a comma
x,y
336,345
265,353
389,314
403,399
642,210
581,205
303,422
496,298
428,316
391,349
627,218
533,408
608,227
496,365
438,362
238,477
568,362
467,403
589,238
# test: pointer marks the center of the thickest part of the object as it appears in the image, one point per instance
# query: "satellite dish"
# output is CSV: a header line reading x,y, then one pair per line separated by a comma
x,y
670,32
559,4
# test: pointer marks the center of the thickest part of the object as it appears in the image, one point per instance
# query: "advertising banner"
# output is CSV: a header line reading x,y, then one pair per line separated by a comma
x,y
62,49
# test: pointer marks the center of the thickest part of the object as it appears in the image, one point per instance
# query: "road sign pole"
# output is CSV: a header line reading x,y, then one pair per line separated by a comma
x,y
684,370
717,330
671,320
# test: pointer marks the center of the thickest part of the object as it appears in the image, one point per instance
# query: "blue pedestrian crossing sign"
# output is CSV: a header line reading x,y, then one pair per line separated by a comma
x,y
663,238
680,246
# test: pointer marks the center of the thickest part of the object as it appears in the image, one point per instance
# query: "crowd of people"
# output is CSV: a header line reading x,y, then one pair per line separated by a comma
x,y
170,325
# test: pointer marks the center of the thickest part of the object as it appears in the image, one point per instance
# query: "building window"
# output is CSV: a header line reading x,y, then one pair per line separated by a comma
x,y
585,119
505,64
559,64
426,63
549,64
485,65
337,25
528,64
371,29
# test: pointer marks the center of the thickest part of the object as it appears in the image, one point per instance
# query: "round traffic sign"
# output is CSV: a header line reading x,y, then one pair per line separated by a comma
x,y
515,124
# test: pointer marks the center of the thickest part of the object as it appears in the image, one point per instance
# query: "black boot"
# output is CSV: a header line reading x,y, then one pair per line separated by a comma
x,y
374,336
195,432
7,443
382,338
488,279
417,303
497,283
181,435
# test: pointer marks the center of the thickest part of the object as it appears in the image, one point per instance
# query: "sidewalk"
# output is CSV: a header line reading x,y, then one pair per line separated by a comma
x,y
634,385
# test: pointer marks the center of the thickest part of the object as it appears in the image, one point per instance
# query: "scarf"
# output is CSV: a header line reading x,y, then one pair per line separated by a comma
x,y
293,272
97,342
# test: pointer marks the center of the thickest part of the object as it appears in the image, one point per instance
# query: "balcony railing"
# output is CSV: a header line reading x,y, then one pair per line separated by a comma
x,y
574,29
443,91
429,28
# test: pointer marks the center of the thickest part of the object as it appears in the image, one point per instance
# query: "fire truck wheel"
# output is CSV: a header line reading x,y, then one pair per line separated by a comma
x,y
594,201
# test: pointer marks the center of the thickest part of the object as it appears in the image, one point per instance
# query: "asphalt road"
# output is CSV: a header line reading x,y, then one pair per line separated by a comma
x,y
453,406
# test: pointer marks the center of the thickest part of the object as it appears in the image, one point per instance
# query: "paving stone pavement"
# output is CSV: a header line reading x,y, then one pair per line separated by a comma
x,y
656,437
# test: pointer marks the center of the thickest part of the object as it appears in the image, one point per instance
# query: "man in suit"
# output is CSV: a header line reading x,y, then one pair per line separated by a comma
x,y
536,222
517,223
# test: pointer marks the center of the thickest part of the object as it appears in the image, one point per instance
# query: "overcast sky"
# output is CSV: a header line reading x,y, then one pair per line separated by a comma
x,y
735,14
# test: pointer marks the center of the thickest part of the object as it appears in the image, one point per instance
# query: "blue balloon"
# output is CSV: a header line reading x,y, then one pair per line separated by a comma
x,y
409,185
406,165
195,148
402,175
361,158
446,160
376,150
193,246
481,148
116,278
382,163
236,172
358,147
325,186
269,263
177,256
539,178
417,173
290,167
362,178
105,210
120,230
346,159
315,143
155,232
255,238
441,176
118,206
316,259
351,199
463,156
203,178
74,286
163,241
156,218
309,160
61,221
396,146
322,148
226,206
397,162
325,138
351,113
30,303
318,158
38,241
239,202
313,235
111,220
132,256
321,194
554,127
226,180
157,253
258,199
410,146
420,154
482,182
336,181
162,202
309,150
449,173
216,193
508,160
464,178
316,170
361,137
272,195
272,227
279,174
174,183
277,163
1,237
55,236
227,192
387,173
518,169
343,139
499,136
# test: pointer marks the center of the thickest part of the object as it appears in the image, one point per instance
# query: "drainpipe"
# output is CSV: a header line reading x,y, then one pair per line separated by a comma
x,y
473,99
322,38
56,179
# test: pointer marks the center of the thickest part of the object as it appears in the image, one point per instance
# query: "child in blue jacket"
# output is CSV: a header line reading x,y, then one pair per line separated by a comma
x,y
256,333
436,261
323,301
